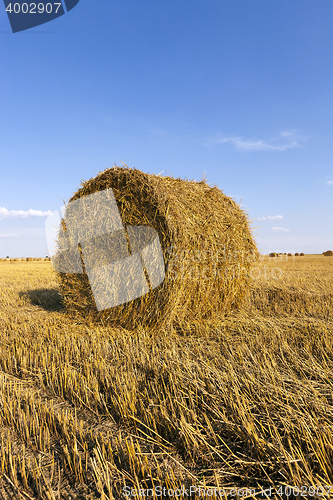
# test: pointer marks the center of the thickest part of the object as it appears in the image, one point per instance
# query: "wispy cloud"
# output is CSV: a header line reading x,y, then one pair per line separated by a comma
x,y
4,213
330,183
280,229
270,217
287,139
8,235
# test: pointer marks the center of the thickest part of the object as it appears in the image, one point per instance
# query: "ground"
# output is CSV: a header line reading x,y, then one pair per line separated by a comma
x,y
87,410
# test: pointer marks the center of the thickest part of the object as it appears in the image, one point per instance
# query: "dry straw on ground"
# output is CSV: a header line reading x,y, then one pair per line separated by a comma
x,y
207,245
244,403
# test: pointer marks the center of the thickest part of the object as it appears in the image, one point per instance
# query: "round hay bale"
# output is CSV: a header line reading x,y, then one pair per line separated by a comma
x,y
301,254
29,259
205,239
328,253
296,254
273,254
289,254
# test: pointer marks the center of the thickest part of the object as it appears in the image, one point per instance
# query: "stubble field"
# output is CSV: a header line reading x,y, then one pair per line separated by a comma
x,y
88,411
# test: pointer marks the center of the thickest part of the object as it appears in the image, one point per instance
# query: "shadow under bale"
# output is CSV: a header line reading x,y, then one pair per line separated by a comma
x,y
48,298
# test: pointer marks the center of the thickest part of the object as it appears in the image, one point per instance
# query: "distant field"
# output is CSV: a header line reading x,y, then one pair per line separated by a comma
x,y
86,409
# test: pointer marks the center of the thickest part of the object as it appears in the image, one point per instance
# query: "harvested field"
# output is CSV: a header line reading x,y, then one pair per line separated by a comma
x,y
242,402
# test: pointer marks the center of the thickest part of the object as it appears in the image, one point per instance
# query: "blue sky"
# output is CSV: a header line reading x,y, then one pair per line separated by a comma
x,y
241,90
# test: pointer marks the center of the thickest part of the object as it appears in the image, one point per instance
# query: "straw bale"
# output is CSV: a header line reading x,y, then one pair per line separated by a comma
x,y
289,254
296,254
206,242
301,254
328,253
